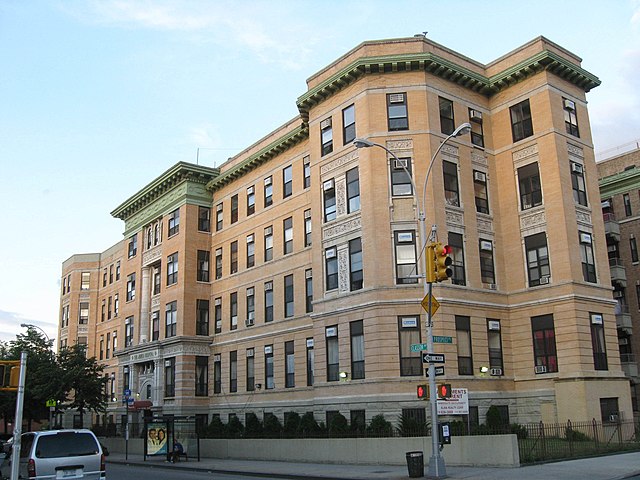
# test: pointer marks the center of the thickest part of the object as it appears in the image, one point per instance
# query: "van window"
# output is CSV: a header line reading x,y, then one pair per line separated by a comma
x,y
25,445
66,444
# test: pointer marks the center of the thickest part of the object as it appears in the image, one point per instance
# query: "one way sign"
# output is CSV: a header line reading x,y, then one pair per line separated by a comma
x,y
432,358
439,371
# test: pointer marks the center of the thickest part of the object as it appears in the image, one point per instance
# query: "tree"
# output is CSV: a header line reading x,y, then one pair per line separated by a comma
x,y
82,379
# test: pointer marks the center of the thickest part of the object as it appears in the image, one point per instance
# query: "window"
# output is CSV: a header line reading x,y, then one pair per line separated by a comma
x,y
133,248
250,302
217,374
406,262
268,191
495,346
171,319
202,376
544,344
353,190
570,117
609,410
521,124
108,352
234,209
530,186
104,278
219,217
287,227
357,349
477,135
409,334
401,177
306,170
333,363
109,303
126,378
287,181
397,117
349,124
233,257
331,268
268,302
85,281
463,341
633,246
447,124
110,274
233,371
101,356
598,342
202,317
457,256
268,367
308,291
233,311
329,200
268,244
537,259
289,365
83,313
203,266
103,312
155,325
172,269
117,270
251,200
627,206
307,228
480,191
326,136
116,305
64,321
131,287
486,262
288,296
355,264
310,362
451,195
586,254
204,219
251,371
577,183
170,377
174,222
218,263
157,280
217,314
114,341
128,332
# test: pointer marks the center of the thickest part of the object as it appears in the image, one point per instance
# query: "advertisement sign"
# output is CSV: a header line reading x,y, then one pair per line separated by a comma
x,y
157,438
458,404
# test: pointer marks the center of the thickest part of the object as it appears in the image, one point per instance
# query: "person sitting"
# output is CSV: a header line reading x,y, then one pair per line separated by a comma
x,y
178,450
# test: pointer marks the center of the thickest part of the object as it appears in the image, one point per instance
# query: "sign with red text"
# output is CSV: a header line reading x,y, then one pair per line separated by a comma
x,y
458,404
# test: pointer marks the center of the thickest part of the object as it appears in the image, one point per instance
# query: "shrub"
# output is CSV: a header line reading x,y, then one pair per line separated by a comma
x,y
253,427
235,429
575,436
380,427
271,426
216,429
411,427
291,423
339,425
308,425
494,419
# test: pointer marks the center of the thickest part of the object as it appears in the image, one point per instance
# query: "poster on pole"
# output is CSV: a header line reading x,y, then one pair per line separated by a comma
x,y
458,404
157,438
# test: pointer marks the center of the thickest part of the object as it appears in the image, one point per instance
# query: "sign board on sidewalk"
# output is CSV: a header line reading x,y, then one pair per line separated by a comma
x,y
458,404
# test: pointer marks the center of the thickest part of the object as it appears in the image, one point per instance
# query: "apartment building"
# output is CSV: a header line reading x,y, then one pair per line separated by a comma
x,y
619,187
290,278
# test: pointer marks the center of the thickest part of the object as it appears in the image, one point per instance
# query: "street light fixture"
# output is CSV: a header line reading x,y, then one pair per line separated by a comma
x,y
436,462
30,325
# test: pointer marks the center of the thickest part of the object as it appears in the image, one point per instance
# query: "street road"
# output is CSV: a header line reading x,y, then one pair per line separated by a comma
x,y
134,472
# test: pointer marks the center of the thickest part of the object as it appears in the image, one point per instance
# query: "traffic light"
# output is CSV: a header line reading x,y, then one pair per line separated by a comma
x,y
430,271
423,392
443,261
444,391
9,374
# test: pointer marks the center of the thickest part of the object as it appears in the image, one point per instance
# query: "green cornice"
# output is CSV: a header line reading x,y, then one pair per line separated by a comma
x,y
429,62
623,182
276,147
178,174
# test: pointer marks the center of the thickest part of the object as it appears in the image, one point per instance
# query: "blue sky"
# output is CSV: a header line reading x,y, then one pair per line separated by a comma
x,y
97,98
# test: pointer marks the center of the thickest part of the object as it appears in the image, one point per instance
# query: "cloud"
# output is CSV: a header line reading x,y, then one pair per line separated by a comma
x,y
10,325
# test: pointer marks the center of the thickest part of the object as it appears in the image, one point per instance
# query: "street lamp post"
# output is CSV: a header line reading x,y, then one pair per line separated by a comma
x,y
30,325
437,467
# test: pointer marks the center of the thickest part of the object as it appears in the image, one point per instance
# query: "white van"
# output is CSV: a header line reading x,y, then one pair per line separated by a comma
x,y
62,454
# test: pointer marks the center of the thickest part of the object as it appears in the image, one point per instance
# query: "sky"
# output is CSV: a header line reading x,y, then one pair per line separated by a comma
x,y
98,98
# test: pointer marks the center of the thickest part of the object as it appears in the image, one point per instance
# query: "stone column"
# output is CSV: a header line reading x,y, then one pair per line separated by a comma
x,y
145,303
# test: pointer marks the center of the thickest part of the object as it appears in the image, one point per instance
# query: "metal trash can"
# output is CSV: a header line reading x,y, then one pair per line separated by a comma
x,y
415,464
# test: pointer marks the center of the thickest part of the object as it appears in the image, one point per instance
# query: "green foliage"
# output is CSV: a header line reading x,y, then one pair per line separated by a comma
x,y
338,425
575,436
308,425
291,423
235,429
410,427
253,427
380,427
272,426
216,428
494,419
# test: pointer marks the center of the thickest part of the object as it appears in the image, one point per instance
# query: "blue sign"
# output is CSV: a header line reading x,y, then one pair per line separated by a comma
x,y
127,392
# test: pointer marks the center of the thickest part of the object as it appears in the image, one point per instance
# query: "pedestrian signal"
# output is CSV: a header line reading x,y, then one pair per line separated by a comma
x,y
444,390
423,392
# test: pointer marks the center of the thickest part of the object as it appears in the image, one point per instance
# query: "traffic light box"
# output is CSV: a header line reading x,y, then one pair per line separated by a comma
x,y
442,261
9,374
423,392
430,260
444,391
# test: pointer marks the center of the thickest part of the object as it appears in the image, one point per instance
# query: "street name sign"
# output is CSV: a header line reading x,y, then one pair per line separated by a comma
x,y
439,339
418,347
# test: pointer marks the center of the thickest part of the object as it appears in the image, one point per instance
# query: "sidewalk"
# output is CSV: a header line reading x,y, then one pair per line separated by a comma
x,y
612,467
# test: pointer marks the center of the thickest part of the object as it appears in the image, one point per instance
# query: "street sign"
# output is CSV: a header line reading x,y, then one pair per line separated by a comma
x,y
434,304
439,371
432,358
438,339
50,403
127,392
130,400
457,404
418,347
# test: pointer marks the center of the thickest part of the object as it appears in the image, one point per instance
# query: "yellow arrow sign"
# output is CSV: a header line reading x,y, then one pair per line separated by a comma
x,y
434,304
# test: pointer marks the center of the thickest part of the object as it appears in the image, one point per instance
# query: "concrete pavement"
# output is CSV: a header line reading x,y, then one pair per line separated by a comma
x,y
611,467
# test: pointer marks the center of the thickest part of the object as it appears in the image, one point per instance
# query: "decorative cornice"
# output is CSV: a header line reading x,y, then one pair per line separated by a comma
x,y
180,172
276,147
618,183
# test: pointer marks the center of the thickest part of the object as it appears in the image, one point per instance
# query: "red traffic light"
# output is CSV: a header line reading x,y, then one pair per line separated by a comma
x,y
423,392
444,390
447,250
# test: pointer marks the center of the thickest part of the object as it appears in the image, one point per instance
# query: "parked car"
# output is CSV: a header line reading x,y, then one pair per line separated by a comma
x,y
68,454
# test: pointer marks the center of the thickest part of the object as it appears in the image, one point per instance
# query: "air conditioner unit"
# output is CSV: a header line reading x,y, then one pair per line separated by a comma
x,y
475,115
618,294
249,322
544,280
623,341
496,372
400,163
325,123
492,286
479,176
396,98
328,185
569,105
614,417
493,325
576,167
540,369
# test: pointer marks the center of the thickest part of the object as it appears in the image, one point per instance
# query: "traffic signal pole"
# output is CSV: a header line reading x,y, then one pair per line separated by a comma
x,y
17,422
